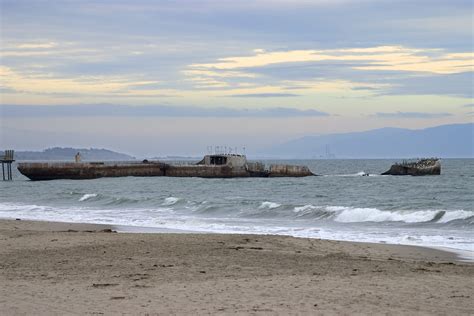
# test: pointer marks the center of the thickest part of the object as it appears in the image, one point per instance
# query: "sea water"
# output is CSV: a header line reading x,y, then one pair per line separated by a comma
x,y
341,204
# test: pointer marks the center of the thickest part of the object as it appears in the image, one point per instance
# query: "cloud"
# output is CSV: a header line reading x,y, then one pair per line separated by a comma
x,y
42,83
444,64
264,95
374,70
48,49
108,110
470,105
202,51
292,88
411,115
394,58
36,45
226,74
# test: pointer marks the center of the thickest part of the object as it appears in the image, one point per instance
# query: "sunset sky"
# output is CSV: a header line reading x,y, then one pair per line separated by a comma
x,y
173,77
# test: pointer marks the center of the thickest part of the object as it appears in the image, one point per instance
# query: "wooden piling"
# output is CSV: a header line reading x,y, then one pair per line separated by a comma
x,y
7,160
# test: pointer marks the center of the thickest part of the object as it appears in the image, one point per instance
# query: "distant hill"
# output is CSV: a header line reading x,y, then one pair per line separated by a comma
x,y
59,153
446,141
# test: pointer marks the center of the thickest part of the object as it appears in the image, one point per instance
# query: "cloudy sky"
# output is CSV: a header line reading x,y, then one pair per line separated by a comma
x,y
173,77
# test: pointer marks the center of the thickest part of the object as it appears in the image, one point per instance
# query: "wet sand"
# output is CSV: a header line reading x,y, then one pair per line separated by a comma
x,y
56,269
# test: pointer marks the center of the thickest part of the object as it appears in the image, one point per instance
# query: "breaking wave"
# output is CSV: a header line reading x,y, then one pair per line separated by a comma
x,y
358,215
269,205
358,174
87,196
343,214
171,201
266,209
305,208
267,218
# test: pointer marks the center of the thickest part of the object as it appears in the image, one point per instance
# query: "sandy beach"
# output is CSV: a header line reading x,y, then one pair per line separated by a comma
x,y
60,269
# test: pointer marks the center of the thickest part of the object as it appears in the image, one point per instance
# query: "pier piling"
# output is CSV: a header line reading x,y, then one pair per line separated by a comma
x,y
7,160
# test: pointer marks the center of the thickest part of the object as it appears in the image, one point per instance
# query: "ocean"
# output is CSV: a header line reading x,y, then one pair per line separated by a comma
x,y
341,204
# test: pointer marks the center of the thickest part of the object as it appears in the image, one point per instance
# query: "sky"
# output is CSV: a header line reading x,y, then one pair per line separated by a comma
x,y
175,77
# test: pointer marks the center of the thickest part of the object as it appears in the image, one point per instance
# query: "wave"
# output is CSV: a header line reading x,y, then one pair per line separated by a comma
x,y
87,196
312,212
305,208
358,215
12,207
358,174
248,209
455,215
344,214
289,220
170,201
269,205
101,200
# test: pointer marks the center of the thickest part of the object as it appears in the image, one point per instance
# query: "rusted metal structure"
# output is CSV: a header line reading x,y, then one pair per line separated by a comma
x,y
422,167
211,166
7,160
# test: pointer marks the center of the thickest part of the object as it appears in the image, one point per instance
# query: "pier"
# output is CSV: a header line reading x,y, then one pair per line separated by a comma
x,y
7,160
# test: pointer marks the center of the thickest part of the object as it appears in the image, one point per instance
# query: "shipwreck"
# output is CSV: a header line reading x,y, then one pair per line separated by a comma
x,y
422,167
211,166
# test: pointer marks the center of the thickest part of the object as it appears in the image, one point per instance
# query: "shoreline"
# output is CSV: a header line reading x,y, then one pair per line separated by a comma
x,y
458,254
58,268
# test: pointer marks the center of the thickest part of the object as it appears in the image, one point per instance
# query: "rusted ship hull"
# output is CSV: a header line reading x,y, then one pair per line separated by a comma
x,y
53,171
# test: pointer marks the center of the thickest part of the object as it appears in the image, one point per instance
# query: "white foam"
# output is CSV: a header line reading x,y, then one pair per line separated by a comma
x,y
354,215
454,215
269,205
337,208
165,217
305,208
170,201
10,207
357,215
358,174
87,196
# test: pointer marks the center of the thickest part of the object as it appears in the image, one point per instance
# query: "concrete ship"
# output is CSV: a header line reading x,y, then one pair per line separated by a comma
x,y
211,166
421,167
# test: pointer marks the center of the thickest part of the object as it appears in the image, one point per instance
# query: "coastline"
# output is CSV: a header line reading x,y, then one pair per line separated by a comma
x,y
450,253
48,225
57,268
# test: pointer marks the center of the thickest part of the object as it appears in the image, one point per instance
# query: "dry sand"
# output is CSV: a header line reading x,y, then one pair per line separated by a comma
x,y
61,269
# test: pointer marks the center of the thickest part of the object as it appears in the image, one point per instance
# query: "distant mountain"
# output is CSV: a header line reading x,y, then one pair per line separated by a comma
x,y
446,141
59,153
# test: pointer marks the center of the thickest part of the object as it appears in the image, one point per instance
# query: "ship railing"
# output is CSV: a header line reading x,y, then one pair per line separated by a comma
x,y
181,163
